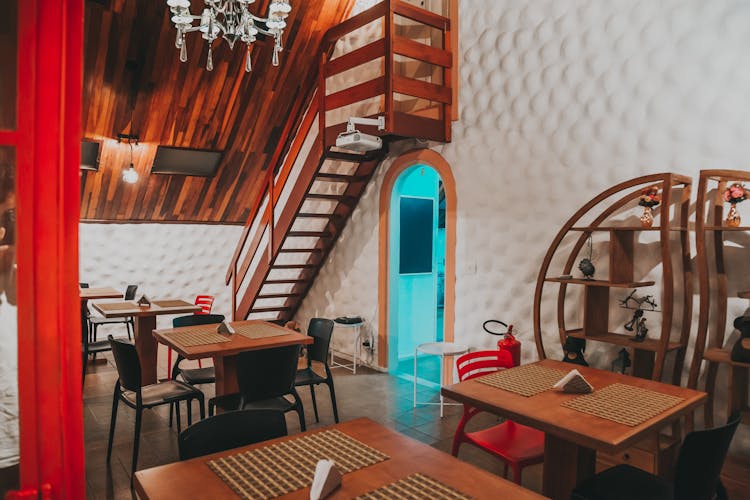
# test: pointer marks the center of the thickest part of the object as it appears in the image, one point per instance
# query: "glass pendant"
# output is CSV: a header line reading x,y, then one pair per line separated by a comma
x,y
210,60
248,61
275,60
178,41
183,51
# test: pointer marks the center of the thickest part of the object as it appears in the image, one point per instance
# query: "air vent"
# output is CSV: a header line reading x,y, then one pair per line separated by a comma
x,y
183,161
90,155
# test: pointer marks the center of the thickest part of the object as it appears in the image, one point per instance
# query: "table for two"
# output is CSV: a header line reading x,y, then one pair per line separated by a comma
x,y
622,411
377,463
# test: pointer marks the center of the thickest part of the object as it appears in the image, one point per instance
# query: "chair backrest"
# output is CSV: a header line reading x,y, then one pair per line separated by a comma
x,y
130,292
197,319
478,363
206,302
321,330
127,363
700,461
231,430
267,373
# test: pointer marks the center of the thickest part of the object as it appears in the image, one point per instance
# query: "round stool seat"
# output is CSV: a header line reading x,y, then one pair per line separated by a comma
x,y
442,348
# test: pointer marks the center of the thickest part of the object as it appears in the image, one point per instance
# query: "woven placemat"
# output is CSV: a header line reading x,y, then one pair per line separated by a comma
x,y
281,468
259,331
118,306
170,303
417,486
526,380
194,336
623,404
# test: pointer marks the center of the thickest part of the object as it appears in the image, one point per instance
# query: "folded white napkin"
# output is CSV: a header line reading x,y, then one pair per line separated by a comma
x,y
575,383
327,478
225,327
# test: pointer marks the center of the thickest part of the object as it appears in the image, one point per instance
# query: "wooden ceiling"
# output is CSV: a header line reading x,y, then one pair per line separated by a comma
x,y
135,83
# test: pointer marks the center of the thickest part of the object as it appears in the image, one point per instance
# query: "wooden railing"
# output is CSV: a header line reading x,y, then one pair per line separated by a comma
x,y
389,83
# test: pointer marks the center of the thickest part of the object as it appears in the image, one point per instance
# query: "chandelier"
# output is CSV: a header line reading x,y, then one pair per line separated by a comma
x,y
232,21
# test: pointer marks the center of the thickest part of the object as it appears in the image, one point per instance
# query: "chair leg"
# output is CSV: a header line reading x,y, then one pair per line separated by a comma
x,y
211,405
189,405
315,403
113,421
300,411
127,326
516,473
333,400
169,363
177,416
202,407
136,440
171,413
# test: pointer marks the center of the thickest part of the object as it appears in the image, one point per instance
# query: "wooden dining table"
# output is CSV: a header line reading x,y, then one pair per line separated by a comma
x,y
145,323
224,354
194,479
573,437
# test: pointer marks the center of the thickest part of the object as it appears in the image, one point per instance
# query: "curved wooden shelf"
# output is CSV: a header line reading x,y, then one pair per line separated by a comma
x,y
648,356
745,294
709,342
604,283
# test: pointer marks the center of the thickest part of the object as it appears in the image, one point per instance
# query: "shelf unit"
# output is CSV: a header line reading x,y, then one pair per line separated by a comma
x,y
648,356
709,343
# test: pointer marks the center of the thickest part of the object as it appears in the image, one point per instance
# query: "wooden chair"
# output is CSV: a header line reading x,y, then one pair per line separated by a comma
x,y
265,377
129,390
231,430
321,331
516,445
696,476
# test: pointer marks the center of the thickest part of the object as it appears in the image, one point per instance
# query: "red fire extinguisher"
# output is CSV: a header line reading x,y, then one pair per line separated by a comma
x,y
508,342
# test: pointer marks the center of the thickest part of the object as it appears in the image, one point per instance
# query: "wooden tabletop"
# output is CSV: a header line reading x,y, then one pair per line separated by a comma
x,y
193,479
544,411
168,306
100,293
237,343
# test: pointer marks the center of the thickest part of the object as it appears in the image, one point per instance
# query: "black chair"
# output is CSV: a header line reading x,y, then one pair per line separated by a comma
x,y
193,376
265,377
128,389
231,430
696,475
96,321
88,347
321,331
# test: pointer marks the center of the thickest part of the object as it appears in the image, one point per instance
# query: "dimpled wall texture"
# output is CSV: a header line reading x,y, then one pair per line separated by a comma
x,y
164,260
559,100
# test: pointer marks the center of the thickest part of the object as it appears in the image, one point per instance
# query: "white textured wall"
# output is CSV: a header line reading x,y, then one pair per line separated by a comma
x,y
559,100
164,260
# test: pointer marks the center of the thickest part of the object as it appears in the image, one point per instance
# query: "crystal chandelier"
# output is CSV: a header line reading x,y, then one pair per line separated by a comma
x,y
233,21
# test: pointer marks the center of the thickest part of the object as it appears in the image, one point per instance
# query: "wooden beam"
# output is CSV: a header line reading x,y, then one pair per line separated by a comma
x,y
422,52
355,58
424,90
366,90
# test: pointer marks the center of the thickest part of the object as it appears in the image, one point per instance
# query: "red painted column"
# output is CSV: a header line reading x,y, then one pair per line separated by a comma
x,y
47,173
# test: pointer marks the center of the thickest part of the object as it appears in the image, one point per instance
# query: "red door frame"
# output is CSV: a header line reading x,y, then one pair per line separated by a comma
x,y
50,66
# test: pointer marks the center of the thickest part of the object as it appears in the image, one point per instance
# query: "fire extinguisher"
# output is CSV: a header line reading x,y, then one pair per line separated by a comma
x,y
508,342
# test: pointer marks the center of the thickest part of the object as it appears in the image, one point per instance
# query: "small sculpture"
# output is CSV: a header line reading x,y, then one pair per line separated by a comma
x,y
573,349
622,361
638,322
586,266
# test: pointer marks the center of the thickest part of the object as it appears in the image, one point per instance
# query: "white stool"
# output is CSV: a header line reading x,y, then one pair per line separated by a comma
x,y
357,346
441,349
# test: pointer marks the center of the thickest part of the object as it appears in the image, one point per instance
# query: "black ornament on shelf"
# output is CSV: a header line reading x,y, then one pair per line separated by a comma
x,y
573,349
586,266
622,361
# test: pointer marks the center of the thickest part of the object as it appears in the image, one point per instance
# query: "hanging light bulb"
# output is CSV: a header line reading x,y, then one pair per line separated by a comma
x,y
130,175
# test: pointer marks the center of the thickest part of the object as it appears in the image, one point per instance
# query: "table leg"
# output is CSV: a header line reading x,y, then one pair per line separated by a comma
x,y
226,375
440,383
565,465
415,377
147,347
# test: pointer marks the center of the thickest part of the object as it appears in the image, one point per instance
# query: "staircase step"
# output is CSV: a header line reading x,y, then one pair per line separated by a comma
x,y
268,309
331,197
278,295
310,234
294,266
301,250
340,177
350,157
283,282
309,215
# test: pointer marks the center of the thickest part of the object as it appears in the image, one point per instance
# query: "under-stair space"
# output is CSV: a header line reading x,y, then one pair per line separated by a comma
x,y
392,60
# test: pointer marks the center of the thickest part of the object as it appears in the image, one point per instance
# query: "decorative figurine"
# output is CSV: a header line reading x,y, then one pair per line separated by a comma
x,y
573,349
650,197
622,361
586,266
638,322
739,352
733,195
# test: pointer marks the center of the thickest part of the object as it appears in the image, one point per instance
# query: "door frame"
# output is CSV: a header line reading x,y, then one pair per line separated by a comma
x,y
409,159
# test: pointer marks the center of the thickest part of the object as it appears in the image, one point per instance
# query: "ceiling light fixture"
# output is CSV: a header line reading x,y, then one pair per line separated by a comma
x,y
130,175
233,21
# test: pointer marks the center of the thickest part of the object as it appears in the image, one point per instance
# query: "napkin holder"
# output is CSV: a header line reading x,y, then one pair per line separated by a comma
x,y
144,301
574,383
327,479
225,328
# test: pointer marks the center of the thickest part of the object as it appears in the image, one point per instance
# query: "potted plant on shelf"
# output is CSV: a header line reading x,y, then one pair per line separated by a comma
x,y
650,197
733,195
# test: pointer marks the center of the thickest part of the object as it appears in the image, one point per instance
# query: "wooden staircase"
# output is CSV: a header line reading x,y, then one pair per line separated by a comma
x,y
307,201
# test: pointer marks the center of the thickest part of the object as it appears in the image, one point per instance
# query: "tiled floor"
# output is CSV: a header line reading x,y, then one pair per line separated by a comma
x,y
381,397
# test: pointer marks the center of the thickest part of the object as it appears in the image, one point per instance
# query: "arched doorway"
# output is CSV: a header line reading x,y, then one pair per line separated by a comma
x,y
411,172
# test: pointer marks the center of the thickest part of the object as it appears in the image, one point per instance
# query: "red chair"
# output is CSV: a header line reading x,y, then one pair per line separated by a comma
x,y
206,302
515,444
